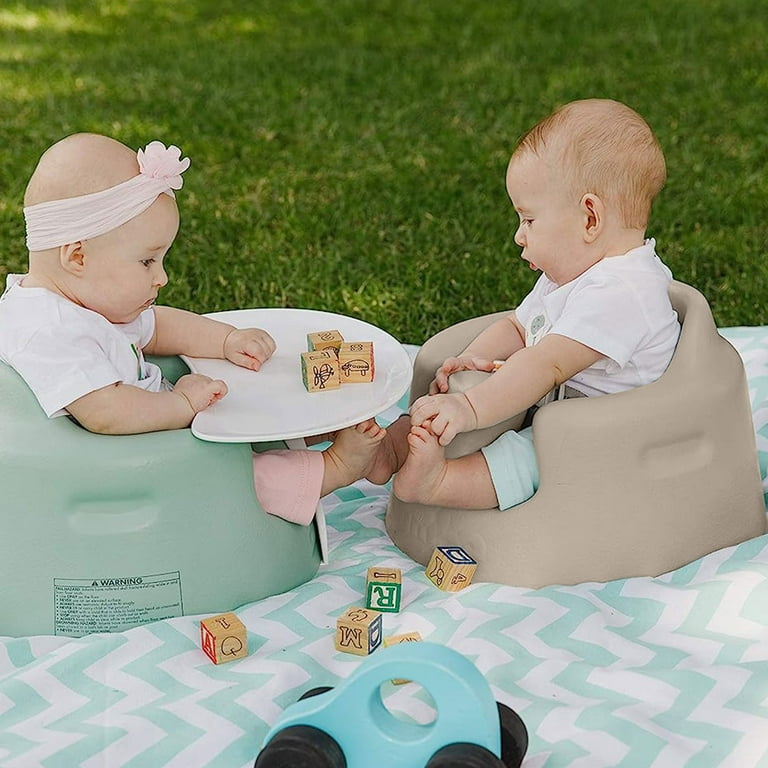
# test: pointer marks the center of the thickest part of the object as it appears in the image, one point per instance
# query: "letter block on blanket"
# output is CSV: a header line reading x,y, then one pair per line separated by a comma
x,y
223,638
358,631
320,370
320,340
451,568
383,589
406,637
356,362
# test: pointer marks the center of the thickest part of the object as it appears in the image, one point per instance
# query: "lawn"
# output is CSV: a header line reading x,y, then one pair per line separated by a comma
x,y
349,155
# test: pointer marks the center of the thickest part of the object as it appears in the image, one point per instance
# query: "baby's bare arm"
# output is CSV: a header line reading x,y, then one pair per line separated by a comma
x,y
527,376
122,409
518,384
178,332
499,340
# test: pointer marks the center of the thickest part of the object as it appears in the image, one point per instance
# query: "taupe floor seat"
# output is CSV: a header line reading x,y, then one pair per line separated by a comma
x,y
633,484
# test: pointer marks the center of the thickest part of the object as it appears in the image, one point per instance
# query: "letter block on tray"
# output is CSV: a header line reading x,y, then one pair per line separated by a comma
x,y
383,589
356,362
451,568
223,638
320,340
320,370
358,631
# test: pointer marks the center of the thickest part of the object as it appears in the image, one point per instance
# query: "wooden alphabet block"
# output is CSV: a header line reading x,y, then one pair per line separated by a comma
x,y
356,362
358,631
320,340
223,638
406,637
320,370
451,568
383,589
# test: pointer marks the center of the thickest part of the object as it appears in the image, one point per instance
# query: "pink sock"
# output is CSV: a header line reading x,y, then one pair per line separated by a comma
x,y
288,483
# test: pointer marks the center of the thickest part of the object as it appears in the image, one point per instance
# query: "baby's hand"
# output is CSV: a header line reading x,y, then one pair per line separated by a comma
x,y
446,415
249,347
454,364
200,391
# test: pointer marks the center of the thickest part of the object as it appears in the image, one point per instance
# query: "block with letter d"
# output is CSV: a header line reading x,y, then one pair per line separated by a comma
x,y
451,568
383,589
358,631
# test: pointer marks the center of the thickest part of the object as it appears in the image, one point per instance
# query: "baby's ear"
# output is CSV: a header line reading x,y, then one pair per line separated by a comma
x,y
71,257
593,211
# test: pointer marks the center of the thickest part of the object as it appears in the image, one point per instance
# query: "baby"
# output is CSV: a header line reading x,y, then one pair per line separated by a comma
x,y
597,321
100,220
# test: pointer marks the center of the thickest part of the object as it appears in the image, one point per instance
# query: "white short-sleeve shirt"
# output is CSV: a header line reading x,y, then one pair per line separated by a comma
x,y
64,351
619,307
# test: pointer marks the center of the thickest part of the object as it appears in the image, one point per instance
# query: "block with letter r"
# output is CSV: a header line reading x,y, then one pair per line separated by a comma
x,y
383,589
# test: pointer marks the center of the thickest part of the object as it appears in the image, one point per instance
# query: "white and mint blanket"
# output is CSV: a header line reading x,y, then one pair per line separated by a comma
x,y
667,672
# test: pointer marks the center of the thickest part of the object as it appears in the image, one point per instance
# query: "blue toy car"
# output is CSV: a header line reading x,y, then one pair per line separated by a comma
x,y
349,726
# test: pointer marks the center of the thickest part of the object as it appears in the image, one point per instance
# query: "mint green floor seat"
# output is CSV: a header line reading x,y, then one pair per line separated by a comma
x,y
102,533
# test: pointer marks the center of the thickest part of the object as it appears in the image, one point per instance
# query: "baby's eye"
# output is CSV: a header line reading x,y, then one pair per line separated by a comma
x,y
147,262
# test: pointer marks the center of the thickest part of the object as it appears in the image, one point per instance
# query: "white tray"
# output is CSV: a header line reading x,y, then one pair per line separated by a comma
x,y
272,404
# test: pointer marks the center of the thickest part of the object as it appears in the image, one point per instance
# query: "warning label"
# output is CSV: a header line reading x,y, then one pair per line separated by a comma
x,y
114,603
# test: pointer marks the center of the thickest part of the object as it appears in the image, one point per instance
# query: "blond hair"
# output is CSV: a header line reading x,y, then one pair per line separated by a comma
x,y
603,147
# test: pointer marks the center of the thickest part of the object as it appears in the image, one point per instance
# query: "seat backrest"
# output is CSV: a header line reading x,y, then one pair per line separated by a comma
x,y
697,328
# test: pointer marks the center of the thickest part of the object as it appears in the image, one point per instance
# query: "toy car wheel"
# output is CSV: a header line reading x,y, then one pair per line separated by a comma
x,y
315,692
464,755
301,746
514,736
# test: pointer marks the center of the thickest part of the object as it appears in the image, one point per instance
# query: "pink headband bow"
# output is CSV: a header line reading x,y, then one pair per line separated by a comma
x,y
58,222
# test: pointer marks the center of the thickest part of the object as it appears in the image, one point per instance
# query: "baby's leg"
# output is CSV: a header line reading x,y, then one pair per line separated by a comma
x,y
289,483
351,455
427,477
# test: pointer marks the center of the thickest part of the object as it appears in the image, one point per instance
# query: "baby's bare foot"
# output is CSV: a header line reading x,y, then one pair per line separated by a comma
x,y
391,452
424,469
351,455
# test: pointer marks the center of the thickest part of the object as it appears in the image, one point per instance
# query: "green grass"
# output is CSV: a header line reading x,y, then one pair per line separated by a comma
x,y
349,155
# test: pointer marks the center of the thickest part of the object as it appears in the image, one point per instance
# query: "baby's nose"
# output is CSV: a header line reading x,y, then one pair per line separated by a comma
x,y
161,277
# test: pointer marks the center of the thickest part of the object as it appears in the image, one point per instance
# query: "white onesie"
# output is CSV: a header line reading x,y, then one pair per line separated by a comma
x,y
64,351
619,307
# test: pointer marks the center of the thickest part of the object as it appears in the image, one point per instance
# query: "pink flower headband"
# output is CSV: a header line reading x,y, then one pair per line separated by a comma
x,y
58,222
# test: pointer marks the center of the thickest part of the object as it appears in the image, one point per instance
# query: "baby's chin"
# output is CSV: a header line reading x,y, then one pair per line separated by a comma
x,y
125,319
